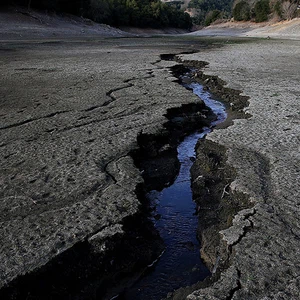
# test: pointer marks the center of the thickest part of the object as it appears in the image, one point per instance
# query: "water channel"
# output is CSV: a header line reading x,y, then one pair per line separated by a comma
x,y
174,217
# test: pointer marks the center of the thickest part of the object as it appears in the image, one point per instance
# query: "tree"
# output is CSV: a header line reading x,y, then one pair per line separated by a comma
x,y
212,16
277,8
241,11
140,13
207,8
261,10
99,11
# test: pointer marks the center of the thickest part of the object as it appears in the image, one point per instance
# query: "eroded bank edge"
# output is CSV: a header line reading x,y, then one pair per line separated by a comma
x,y
218,206
79,266
102,262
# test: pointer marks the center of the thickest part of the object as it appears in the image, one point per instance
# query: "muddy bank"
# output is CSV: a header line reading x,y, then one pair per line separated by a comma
x,y
211,177
68,196
263,150
157,154
171,207
97,268
112,259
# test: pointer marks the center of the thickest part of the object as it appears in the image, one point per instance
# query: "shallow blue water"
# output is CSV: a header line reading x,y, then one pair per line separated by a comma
x,y
180,264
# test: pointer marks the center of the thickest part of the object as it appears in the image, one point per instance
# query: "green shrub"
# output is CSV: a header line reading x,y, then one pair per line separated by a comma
x,y
211,17
261,10
241,11
278,8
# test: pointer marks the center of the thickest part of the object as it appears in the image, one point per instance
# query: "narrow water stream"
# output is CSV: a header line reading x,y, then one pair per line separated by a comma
x,y
174,217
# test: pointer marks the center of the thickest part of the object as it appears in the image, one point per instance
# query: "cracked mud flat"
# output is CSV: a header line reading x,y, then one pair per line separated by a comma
x,y
264,151
70,116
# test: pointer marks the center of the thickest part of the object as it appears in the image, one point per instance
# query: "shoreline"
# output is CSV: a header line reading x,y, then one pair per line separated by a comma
x,y
17,24
289,30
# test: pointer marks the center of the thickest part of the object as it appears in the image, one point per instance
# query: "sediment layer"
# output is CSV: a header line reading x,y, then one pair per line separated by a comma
x,y
263,150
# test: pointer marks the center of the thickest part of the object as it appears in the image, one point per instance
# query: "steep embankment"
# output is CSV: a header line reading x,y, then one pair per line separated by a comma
x,y
19,23
284,30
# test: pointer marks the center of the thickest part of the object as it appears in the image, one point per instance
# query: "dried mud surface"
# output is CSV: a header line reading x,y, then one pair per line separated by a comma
x,y
71,113
264,151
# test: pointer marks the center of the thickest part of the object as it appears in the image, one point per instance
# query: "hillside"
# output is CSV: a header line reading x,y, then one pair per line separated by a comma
x,y
205,12
265,10
136,13
283,29
18,23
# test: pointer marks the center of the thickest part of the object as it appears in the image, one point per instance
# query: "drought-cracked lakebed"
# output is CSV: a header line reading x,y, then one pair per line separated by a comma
x,y
66,173
70,187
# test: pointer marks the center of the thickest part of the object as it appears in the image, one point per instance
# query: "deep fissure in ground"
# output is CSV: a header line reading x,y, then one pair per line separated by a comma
x,y
82,272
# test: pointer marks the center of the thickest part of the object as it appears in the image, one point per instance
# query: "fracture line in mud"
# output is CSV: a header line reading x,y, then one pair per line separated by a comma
x,y
169,206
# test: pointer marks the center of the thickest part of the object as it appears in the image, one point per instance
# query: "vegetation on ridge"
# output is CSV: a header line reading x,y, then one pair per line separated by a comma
x,y
207,11
170,13
139,13
263,10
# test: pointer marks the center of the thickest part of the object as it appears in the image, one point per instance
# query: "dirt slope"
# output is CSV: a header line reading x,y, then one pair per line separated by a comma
x,y
284,29
19,23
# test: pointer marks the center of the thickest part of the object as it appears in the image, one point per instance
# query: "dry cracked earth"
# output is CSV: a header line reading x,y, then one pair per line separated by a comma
x,y
71,112
264,150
